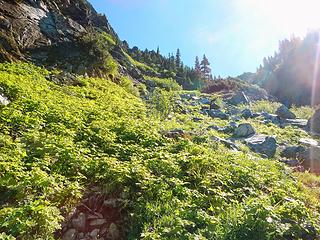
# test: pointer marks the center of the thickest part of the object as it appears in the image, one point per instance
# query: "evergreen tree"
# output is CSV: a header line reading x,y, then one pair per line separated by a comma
x,y
197,67
178,58
205,68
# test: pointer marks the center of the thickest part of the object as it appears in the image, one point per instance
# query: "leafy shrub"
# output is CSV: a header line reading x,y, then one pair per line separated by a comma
x,y
161,101
97,46
165,83
265,106
304,112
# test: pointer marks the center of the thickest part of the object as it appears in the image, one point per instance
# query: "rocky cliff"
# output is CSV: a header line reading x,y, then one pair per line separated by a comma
x,y
32,24
55,34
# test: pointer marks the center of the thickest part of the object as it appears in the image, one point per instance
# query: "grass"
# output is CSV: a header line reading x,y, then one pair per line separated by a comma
x,y
303,112
139,65
59,141
264,106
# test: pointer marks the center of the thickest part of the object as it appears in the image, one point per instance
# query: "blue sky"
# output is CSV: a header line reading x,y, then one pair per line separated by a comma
x,y
234,34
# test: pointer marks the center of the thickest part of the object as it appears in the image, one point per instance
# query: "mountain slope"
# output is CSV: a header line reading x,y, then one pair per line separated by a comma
x,y
63,144
117,152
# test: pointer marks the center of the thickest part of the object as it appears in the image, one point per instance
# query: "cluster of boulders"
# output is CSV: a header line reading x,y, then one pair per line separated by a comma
x,y
98,217
305,155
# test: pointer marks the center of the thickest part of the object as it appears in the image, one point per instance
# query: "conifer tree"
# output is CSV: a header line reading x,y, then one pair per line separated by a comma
x,y
178,58
205,68
197,67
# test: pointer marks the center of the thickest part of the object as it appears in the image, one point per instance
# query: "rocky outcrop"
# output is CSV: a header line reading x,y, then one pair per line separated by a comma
x,y
32,24
97,217
264,145
244,130
239,98
63,34
284,113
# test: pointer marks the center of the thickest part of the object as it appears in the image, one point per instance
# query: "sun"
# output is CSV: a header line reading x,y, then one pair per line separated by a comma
x,y
290,16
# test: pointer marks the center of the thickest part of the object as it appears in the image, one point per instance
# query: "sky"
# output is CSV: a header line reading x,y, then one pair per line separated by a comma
x,y
235,35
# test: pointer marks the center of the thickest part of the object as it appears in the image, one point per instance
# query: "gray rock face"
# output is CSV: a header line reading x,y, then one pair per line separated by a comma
x,y
244,130
44,23
50,33
64,78
239,98
284,113
264,145
218,114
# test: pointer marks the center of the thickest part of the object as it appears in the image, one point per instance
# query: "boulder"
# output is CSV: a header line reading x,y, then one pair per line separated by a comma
x,y
218,114
97,222
301,123
5,23
291,162
244,130
197,119
4,100
70,234
311,159
284,113
232,110
270,118
246,113
292,152
314,123
239,98
214,105
264,145
228,129
113,232
79,222
204,101
94,233
175,133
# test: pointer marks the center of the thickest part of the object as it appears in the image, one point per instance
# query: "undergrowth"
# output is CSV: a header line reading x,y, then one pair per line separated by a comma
x,y
58,141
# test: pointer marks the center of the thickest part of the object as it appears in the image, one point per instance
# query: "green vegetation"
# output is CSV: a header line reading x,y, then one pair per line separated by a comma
x,y
59,141
290,73
304,112
165,83
265,106
152,63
